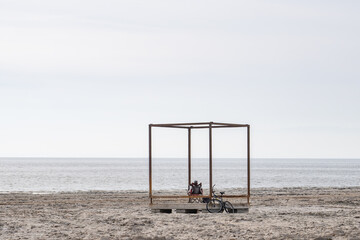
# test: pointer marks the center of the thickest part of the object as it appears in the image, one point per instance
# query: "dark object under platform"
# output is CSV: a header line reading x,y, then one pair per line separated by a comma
x,y
191,208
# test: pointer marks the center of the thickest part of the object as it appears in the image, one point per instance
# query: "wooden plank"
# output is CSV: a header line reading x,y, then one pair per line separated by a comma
x,y
199,206
195,196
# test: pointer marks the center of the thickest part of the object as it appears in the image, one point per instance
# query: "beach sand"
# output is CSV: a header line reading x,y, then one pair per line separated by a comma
x,y
301,213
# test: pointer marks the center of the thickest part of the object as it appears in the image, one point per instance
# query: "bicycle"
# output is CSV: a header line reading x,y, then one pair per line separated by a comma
x,y
217,205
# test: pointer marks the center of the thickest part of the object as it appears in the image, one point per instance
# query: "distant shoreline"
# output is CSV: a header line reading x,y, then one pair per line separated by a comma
x,y
174,191
71,175
270,158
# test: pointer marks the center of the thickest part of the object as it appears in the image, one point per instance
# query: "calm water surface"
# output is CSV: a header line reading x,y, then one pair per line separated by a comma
x,y
74,174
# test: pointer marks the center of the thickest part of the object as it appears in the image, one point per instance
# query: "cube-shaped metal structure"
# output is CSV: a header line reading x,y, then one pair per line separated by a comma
x,y
189,127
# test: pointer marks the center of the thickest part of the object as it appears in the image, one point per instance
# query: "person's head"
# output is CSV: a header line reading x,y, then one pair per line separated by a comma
x,y
196,182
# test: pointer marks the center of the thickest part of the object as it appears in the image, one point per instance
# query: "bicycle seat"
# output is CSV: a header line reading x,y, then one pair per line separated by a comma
x,y
222,193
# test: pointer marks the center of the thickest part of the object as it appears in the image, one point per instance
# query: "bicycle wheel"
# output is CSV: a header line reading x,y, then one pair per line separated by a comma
x,y
228,207
214,206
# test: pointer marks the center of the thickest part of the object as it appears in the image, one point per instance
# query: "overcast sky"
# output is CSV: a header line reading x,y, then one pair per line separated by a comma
x,y
85,78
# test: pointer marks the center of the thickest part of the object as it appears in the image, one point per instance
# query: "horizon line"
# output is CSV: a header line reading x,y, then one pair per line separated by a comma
x,y
186,157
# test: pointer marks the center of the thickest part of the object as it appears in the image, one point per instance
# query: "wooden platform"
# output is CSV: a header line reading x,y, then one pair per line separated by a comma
x,y
191,208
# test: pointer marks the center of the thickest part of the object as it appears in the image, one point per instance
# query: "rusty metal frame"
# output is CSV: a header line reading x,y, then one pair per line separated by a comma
x,y
199,125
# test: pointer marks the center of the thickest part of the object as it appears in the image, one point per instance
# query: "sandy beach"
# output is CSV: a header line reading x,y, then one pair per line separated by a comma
x,y
301,213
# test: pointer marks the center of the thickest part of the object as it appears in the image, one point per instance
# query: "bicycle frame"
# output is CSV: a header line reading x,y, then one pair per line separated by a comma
x,y
217,197
222,203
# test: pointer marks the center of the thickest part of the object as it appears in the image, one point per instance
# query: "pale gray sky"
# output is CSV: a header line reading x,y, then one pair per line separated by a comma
x,y
85,78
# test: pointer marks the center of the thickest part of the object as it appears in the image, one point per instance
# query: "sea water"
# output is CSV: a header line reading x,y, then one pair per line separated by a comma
x,y
112,174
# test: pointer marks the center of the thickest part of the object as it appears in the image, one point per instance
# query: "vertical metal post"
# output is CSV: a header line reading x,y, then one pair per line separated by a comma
x,y
248,164
210,158
189,156
150,165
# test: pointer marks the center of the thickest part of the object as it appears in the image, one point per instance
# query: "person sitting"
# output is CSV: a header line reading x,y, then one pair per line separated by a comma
x,y
195,188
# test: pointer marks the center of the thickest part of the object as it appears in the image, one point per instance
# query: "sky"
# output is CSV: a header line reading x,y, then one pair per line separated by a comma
x,y
85,78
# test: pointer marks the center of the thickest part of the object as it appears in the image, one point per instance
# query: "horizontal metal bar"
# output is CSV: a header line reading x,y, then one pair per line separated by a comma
x,y
198,196
169,126
174,124
232,124
224,126
189,125
234,196
180,196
